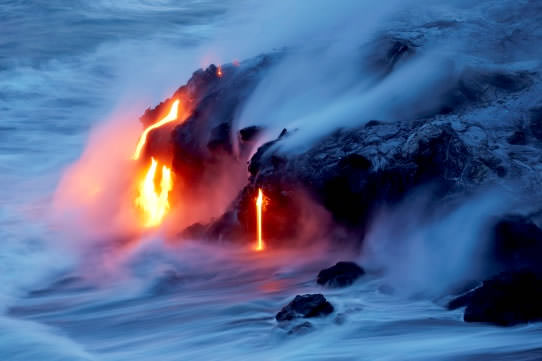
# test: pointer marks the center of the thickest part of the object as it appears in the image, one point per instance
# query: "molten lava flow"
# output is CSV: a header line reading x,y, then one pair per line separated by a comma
x,y
259,204
155,204
171,116
219,71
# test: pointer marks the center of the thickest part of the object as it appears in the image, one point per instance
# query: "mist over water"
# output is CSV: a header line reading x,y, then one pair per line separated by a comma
x,y
68,67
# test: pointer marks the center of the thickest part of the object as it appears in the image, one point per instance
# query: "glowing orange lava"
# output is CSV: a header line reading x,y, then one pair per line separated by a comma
x,y
171,116
259,204
154,204
219,71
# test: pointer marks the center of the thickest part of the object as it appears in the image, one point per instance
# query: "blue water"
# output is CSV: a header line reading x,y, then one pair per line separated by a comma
x,y
65,67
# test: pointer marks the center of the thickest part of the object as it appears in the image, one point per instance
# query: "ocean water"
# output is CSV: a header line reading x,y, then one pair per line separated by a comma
x,y
65,67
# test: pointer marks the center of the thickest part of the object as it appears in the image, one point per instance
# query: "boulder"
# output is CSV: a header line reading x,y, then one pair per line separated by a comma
x,y
508,299
516,243
305,306
342,274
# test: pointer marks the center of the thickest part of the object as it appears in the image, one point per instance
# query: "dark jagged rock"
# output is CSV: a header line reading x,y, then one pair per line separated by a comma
x,y
255,161
205,143
249,133
516,244
309,305
342,274
301,329
206,138
349,175
508,299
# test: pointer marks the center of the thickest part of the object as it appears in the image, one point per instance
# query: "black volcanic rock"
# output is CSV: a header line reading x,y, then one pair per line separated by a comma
x,y
354,172
516,244
205,143
249,133
508,299
342,274
206,138
309,305
350,173
455,145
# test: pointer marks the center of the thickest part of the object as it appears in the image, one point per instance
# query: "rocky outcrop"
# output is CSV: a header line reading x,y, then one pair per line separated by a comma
x,y
207,137
342,274
305,306
482,129
508,299
352,173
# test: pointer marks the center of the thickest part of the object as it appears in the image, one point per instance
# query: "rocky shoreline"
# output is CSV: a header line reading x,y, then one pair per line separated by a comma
x,y
485,132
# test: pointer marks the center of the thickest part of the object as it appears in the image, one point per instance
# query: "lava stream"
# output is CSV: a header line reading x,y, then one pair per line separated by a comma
x,y
152,202
155,204
171,116
259,204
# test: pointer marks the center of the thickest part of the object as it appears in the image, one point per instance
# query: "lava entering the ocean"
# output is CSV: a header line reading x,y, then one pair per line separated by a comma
x,y
152,202
155,204
259,205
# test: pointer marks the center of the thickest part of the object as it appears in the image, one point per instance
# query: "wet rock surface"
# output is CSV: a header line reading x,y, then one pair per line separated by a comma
x,y
508,299
305,306
342,274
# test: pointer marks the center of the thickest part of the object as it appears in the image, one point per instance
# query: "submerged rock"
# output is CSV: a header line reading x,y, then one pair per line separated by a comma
x,y
168,282
301,329
305,306
342,274
508,299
